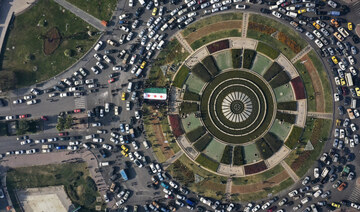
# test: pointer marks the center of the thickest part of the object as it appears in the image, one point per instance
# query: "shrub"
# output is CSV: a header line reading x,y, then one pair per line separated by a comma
x,y
289,42
210,64
181,76
267,50
249,56
292,105
195,134
274,69
203,142
274,142
68,53
176,125
238,156
264,149
91,183
217,46
191,96
189,107
255,168
207,162
289,118
261,28
236,55
294,137
200,71
227,155
280,79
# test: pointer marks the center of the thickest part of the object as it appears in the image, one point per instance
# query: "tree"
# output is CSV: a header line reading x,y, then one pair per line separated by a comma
x,y
68,122
23,127
60,124
68,53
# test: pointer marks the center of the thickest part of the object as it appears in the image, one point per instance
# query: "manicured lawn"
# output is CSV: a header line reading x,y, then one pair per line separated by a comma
x,y
215,36
324,81
284,93
190,123
294,137
25,56
280,129
267,50
211,20
251,154
261,64
215,150
223,60
259,177
194,83
207,162
102,10
308,85
75,177
181,76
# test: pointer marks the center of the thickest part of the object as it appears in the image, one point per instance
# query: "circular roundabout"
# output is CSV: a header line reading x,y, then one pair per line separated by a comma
x,y
237,106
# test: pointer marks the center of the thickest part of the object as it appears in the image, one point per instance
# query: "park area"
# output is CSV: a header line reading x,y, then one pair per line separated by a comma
x,y
103,10
38,40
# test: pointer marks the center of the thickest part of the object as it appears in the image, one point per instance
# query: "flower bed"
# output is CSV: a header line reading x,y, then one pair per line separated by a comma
x,y
227,155
249,56
274,69
274,142
255,168
217,46
289,118
191,96
236,55
175,124
207,162
267,50
290,43
181,76
280,79
264,148
287,105
238,159
210,64
299,89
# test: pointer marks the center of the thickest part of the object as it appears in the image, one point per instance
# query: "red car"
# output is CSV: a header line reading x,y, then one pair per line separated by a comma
x,y
23,116
111,80
77,110
44,118
63,133
285,4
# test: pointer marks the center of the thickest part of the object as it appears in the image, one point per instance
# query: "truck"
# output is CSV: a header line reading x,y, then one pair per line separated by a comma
x,y
132,133
46,146
345,171
126,57
325,172
142,2
102,164
349,79
124,175
334,13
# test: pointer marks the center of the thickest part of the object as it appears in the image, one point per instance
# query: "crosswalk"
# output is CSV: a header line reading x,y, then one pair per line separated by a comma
x,y
80,102
355,195
356,8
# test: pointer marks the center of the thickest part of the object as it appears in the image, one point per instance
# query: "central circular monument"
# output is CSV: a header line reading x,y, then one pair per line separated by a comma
x,y
237,106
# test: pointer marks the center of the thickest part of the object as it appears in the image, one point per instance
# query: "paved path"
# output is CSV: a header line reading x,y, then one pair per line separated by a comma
x,y
302,53
82,14
320,115
288,66
291,172
183,42
228,188
245,25
171,160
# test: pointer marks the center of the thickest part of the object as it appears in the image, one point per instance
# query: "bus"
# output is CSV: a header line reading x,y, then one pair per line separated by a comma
x,y
349,80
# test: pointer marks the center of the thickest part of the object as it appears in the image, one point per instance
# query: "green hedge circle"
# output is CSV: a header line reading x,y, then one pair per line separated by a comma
x,y
237,132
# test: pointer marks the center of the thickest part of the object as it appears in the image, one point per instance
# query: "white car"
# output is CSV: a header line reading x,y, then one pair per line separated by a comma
x,y
336,97
95,70
137,115
117,68
98,46
152,167
316,172
97,57
107,146
137,155
276,14
240,7
134,144
107,59
342,66
18,101
10,117
319,43
100,65
131,3
133,58
309,35
293,193
353,127
352,71
351,60
173,184
337,80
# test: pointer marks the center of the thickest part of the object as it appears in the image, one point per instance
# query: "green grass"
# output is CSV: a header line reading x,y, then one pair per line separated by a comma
x,y
188,107
227,155
194,83
214,150
71,175
23,41
203,142
258,178
207,162
195,134
215,36
324,81
223,60
236,55
248,59
181,76
251,154
3,129
102,10
261,64
238,155
188,95
291,105
311,103
169,136
211,20
284,93
250,197
190,123
280,129
294,137
267,50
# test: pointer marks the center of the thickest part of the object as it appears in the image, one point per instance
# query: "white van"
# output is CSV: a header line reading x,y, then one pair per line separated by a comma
x,y
353,103
291,14
98,46
129,88
101,164
137,74
274,7
161,43
89,137
146,145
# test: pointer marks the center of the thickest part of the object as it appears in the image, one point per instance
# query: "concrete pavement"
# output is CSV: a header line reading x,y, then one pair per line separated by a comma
x,y
171,160
183,42
291,172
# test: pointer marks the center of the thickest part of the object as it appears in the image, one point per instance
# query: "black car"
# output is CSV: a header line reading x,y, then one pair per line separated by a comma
x,y
266,11
347,101
356,39
110,51
139,11
341,110
324,17
339,90
287,18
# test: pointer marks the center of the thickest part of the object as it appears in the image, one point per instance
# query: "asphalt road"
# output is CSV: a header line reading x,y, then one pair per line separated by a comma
x,y
139,178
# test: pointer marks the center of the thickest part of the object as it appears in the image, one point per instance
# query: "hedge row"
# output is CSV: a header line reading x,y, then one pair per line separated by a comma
x,y
238,159
203,142
292,105
200,71
188,95
274,69
267,50
274,142
195,134
207,162
236,55
189,107
181,76
264,149
210,64
294,137
289,118
249,56
227,155
280,79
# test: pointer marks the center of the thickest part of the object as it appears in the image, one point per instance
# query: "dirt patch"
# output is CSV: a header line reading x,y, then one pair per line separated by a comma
x,y
316,82
225,25
52,40
255,187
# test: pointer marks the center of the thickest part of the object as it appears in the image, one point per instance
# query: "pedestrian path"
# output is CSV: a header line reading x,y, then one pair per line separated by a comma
x,y
82,14
80,102
245,25
171,160
289,170
321,115
355,195
228,188
184,43
301,54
